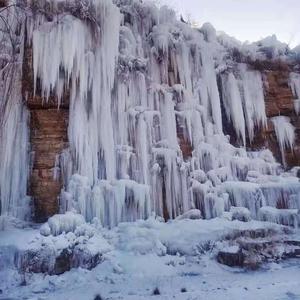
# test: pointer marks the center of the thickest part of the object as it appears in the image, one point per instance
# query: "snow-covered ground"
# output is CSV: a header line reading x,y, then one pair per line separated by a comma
x,y
177,258
202,278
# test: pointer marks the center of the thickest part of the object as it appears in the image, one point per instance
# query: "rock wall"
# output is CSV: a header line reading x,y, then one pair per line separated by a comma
x,y
48,138
279,101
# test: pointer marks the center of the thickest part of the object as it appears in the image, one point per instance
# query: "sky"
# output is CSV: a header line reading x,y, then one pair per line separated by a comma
x,y
246,20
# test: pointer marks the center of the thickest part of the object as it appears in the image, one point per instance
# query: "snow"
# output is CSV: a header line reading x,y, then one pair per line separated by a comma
x,y
192,214
140,256
58,224
207,279
240,213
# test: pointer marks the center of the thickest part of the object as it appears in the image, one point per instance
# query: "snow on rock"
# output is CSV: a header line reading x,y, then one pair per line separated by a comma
x,y
73,244
58,224
240,213
192,214
271,48
209,32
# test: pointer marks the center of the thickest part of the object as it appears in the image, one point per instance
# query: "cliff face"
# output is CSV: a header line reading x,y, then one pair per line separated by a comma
x,y
279,101
48,138
130,112
48,127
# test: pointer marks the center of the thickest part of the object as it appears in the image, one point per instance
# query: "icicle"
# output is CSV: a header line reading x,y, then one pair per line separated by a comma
x,y
233,105
122,200
14,138
288,217
285,133
295,86
253,99
245,194
88,66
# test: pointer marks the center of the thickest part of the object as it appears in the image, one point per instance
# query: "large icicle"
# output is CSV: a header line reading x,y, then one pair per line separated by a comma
x,y
295,86
233,105
285,133
14,147
253,99
67,52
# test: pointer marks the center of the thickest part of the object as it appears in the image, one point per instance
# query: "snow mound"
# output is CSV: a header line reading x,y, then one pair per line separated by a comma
x,y
78,245
240,213
140,238
192,214
60,223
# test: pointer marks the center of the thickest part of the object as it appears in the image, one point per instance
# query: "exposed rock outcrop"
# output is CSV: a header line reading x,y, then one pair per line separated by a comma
x,y
48,138
279,101
251,253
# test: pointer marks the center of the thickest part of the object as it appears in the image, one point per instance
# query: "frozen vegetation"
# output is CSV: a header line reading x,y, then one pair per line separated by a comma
x,y
137,76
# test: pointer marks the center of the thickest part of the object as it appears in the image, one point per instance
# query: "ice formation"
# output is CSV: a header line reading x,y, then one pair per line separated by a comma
x,y
295,85
240,213
14,150
285,133
58,224
137,77
289,217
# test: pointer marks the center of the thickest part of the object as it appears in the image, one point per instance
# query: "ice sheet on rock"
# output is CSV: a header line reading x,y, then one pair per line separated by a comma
x,y
14,145
282,192
288,217
295,86
121,200
245,194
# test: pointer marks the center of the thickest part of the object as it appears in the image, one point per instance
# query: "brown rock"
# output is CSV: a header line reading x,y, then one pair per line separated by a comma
x,y
48,137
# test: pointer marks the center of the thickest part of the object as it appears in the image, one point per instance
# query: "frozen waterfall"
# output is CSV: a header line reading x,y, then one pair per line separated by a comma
x,y
137,77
